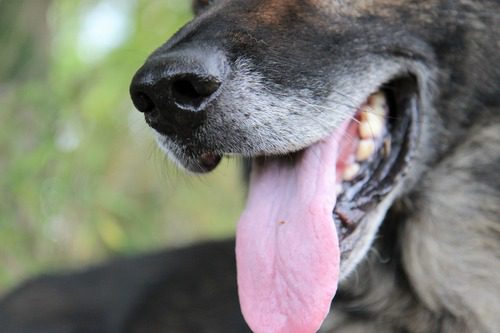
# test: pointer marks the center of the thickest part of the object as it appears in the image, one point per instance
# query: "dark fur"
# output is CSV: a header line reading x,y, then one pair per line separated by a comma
x,y
435,264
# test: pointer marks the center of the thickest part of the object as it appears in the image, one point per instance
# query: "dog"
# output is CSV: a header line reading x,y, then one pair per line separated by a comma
x,y
371,131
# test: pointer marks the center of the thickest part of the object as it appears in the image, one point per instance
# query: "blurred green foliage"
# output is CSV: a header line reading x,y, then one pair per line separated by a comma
x,y
80,175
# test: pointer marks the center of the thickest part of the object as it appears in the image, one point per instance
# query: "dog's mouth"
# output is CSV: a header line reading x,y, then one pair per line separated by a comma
x,y
311,215
382,138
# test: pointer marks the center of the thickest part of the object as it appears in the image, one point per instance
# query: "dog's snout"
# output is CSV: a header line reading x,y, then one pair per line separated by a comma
x,y
175,88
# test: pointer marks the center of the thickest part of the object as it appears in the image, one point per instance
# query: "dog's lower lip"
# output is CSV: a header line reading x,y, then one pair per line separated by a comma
x,y
208,160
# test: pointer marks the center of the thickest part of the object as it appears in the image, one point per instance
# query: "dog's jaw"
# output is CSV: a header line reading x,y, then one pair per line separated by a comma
x,y
364,235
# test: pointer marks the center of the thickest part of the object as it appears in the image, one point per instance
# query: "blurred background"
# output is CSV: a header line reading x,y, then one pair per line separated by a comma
x,y
81,178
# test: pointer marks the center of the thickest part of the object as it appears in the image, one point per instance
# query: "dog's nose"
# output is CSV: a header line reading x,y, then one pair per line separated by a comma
x,y
175,89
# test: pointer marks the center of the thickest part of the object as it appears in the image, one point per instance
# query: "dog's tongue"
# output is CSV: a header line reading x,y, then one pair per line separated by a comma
x,y
286,244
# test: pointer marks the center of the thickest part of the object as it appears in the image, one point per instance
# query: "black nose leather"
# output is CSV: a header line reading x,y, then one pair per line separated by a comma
x,y
174,89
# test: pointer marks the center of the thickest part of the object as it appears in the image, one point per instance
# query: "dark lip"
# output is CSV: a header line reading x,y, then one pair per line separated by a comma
x,y
193,159
378,178
201,162
208,161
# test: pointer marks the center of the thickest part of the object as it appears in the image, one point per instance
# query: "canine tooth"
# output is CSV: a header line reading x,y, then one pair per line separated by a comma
x,y
366,148
350,172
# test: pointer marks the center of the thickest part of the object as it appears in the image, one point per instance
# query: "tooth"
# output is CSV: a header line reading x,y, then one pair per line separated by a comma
x,y
377,100
378,110
365,111
369,112
366,148
339,189
370,126
367,130
387,147
376,105
350,172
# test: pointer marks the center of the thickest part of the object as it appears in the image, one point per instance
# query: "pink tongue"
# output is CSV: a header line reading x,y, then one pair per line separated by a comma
x,y
286,244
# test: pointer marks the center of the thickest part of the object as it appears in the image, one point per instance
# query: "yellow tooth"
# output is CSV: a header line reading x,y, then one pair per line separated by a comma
x,y
376,105
365,111
371,126
350,172
366,148
377,100
368,113
365,131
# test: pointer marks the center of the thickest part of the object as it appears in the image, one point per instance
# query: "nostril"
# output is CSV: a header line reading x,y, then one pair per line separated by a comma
x,y
143,102
192,92
184,90
206,87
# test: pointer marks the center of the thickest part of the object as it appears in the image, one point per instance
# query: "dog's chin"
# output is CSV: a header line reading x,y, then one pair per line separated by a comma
x,y
374,152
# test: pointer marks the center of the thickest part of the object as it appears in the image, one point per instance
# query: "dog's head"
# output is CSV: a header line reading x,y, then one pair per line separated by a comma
x,y
331,101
